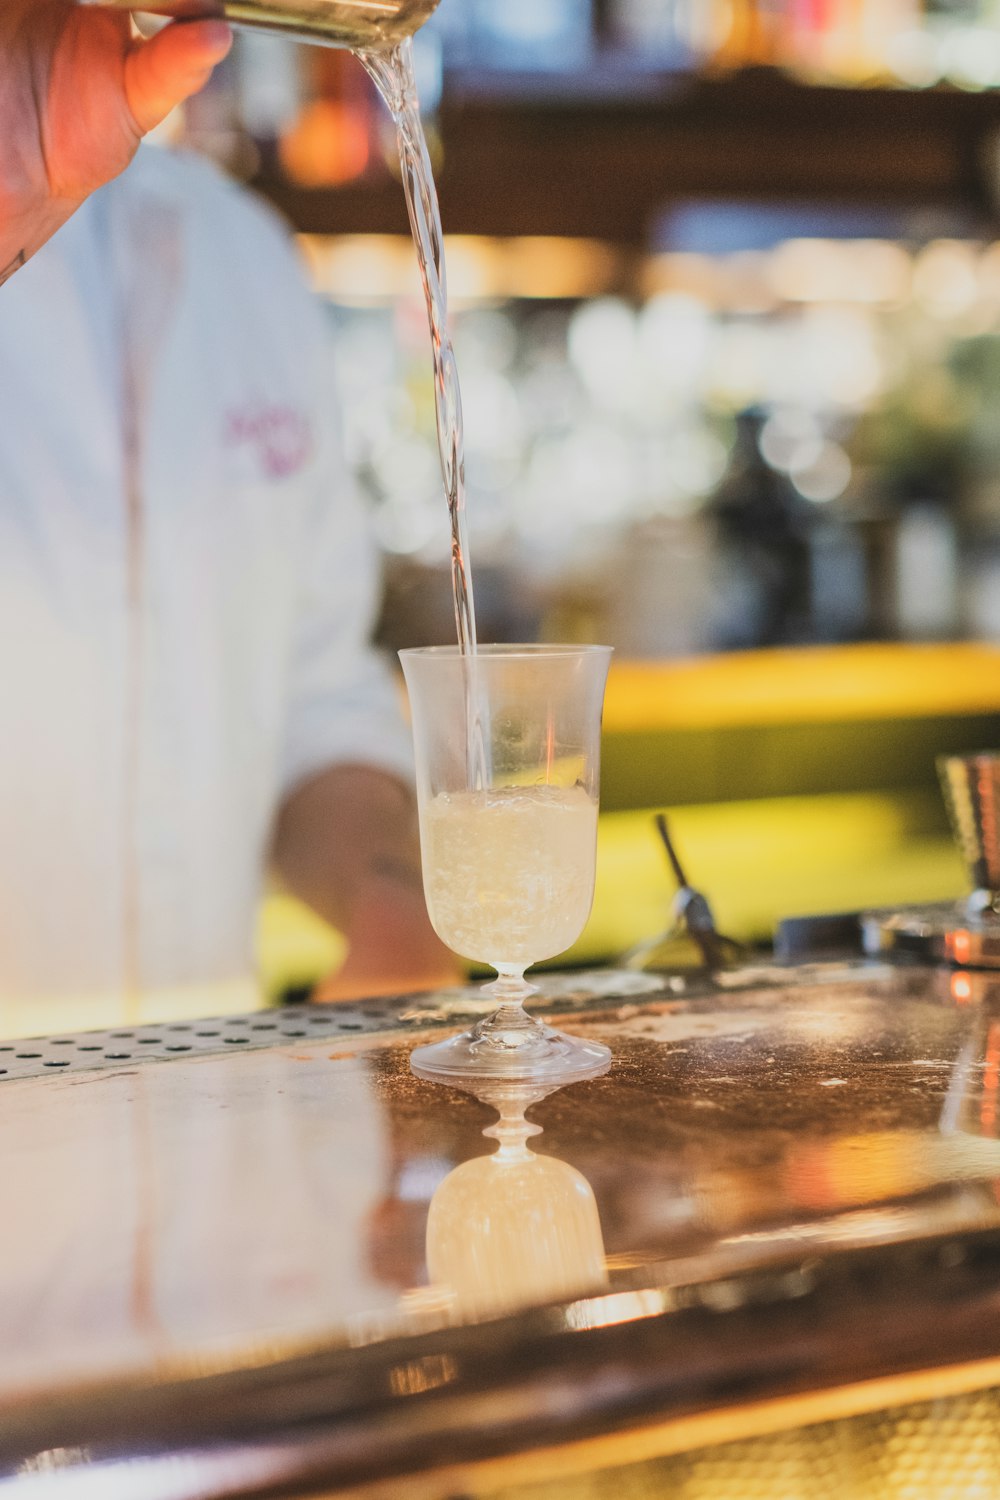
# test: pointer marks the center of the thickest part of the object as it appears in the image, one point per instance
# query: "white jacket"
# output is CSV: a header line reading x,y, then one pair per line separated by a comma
x,y
186,586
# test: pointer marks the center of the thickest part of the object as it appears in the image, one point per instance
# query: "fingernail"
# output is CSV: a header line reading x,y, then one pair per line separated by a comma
x,y
218,35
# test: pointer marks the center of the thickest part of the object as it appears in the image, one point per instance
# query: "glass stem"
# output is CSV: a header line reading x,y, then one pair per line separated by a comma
x,y
510,989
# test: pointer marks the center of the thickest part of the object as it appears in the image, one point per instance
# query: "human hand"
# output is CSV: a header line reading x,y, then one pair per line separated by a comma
x,y
77,93
346,844
392,948
410,966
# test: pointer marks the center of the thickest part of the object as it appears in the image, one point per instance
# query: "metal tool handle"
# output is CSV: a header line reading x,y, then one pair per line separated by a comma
x,y
362,25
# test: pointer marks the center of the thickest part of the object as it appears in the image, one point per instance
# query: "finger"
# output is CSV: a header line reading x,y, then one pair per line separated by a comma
x,y
177,62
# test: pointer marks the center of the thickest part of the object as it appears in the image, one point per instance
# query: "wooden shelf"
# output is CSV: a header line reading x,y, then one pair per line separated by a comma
x,y
591,162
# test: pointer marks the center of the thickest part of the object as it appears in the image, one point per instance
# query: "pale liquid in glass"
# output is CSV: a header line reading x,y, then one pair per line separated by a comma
x,y
509,872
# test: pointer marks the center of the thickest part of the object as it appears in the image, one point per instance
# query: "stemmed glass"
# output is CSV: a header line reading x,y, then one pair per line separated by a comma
x,y
507,748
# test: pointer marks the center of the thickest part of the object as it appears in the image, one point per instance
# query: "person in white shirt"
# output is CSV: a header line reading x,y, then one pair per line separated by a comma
x,y
186,587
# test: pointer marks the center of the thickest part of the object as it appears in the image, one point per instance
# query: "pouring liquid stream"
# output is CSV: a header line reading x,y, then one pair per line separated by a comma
x,y
392,72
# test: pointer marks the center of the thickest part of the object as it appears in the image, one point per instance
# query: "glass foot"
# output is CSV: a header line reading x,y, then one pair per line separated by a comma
x,y
534,1053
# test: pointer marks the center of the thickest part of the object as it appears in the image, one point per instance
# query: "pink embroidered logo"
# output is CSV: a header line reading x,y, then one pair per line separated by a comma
x,y
278,436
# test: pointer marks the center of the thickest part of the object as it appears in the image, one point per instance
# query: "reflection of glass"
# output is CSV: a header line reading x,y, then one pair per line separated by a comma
x,y
507,749
972,1104
513,1229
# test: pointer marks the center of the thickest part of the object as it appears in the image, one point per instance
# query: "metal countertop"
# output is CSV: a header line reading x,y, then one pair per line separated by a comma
x,y
284,1265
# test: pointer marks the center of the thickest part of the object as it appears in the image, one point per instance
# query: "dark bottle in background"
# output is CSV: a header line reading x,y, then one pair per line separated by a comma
x,y
761,529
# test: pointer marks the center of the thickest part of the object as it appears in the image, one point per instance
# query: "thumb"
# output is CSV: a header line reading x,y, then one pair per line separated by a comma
x,y
163,71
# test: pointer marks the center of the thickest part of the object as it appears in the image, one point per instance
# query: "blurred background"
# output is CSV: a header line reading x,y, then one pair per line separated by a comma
x,y
725,278
726,286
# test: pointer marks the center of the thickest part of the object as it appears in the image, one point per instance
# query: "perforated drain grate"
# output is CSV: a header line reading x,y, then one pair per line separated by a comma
x,y
54,1055
125,1047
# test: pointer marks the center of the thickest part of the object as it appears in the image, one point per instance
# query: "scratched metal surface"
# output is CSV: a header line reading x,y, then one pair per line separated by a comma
x,y
199,1246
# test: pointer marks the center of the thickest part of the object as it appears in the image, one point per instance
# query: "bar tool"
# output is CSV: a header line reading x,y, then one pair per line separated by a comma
x,y
362,25
693,940
966,932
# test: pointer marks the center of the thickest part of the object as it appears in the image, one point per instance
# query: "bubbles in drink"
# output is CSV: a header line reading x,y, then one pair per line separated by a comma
x,y
509,872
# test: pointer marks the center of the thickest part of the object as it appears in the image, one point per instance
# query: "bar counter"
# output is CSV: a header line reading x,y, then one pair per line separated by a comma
x,y
258,1257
